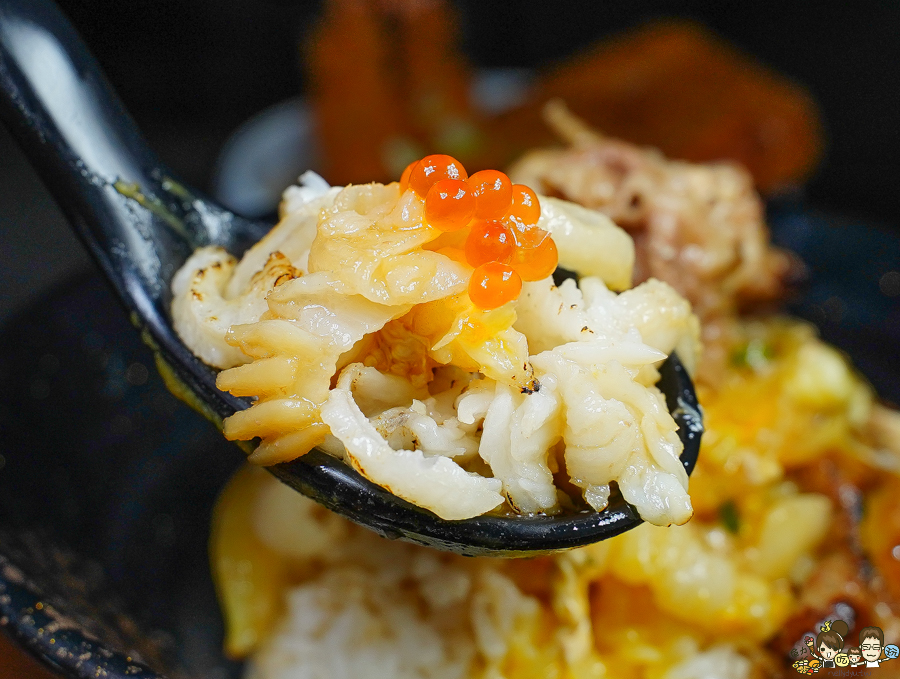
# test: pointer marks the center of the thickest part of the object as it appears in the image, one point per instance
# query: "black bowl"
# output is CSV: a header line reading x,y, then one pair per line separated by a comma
x,y
106,492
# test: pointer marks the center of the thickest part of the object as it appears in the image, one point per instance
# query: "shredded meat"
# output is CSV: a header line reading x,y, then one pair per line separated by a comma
x,y
699,228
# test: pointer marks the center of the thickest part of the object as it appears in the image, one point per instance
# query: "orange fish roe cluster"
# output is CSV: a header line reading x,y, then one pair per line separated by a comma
x,y
449,205
502,240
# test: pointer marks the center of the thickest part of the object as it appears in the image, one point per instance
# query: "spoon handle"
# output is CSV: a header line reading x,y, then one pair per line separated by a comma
x,y
138,222
125,205
75,132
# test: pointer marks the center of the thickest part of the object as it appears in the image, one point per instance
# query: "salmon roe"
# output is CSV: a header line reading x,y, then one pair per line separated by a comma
x,y
494,284
525,208
449,205
527,237
490,241
493,194
535,264
491,225
432,169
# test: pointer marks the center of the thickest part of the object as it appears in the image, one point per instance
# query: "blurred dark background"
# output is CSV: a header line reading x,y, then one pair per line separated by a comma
x,y
191,71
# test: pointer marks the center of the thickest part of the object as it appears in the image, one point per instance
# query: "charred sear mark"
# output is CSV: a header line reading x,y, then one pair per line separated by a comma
x,y
512,504
532,388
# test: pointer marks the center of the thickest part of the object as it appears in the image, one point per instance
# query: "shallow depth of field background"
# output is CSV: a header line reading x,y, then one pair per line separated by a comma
x,y
190,71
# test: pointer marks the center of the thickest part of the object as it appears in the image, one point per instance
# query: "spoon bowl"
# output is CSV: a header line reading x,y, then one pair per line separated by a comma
x,y
141,223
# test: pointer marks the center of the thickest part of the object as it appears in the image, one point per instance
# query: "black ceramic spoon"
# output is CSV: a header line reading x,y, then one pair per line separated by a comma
x,y
141,224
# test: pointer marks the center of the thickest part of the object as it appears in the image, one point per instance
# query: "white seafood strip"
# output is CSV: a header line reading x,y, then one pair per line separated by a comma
x,y
202,314
292,236
627,353
435,483
518,433
588,242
